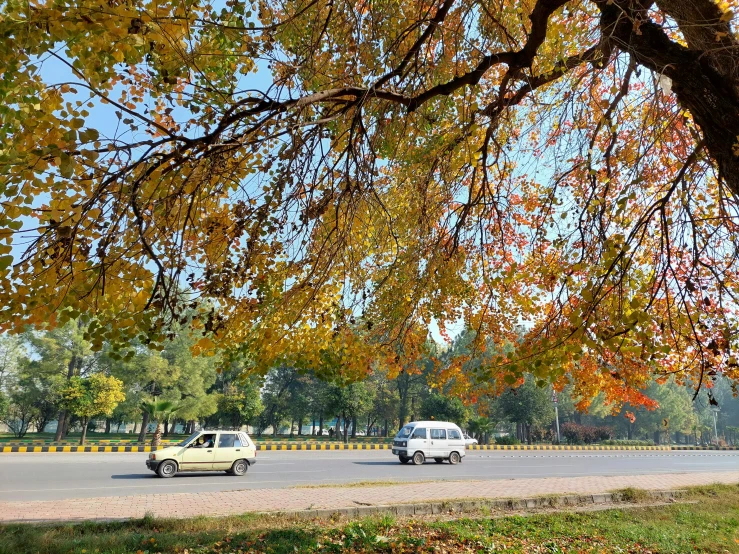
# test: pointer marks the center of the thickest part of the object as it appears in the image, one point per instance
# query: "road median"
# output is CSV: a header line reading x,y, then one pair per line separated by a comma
x,y
102,449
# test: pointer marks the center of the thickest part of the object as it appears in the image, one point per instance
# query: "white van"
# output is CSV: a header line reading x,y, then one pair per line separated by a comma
x,y
439,440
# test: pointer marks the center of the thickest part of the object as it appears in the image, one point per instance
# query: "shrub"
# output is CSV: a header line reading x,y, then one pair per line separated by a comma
x,y
575,433
510,439
627,443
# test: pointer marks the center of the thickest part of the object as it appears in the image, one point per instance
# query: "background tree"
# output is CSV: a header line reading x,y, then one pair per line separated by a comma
x,y
527,405
159,411
444,408
92,396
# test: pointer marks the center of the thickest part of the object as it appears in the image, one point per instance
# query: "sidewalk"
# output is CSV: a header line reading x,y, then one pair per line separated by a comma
x,y
294,499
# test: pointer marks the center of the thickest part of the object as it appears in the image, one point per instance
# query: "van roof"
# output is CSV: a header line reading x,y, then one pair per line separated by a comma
x,y
434,423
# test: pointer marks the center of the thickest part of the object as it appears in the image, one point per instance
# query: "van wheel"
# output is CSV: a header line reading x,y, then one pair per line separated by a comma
x,y
239,467
403,459
418,458
439,460
454,458
167,469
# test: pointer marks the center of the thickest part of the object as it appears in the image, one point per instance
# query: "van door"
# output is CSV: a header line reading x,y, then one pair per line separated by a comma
x,y
439,445
419,441
456,441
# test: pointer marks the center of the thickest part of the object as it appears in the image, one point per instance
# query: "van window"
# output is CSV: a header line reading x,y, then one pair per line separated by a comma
x,y
405,432
419,434
438,434
454,435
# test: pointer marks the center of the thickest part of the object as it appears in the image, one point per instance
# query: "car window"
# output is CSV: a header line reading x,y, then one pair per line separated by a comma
x,y
454,434
419,433
189,439
244,441
227,440
438,434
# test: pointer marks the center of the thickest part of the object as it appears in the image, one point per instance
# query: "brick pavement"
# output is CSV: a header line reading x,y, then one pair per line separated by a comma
x,y
260,500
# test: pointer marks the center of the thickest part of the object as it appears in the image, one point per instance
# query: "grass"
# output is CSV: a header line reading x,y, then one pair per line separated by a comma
x,y
708,522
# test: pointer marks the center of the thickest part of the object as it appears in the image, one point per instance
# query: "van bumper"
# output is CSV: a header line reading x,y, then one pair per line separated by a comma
x,y
400,451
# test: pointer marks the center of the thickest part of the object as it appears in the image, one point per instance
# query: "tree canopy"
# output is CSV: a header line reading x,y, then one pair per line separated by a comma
x,y
320,179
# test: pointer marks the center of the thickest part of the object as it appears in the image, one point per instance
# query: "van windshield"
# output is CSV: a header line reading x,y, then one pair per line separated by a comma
x,y
405,432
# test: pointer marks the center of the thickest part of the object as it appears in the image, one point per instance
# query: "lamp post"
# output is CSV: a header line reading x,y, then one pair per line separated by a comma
x,y
556,414
715,410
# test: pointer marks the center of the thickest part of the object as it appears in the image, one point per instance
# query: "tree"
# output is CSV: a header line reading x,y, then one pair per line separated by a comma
x,y
19,412
349,401
527,405
480,427
238,404
93,396
333,183
444,408
159,410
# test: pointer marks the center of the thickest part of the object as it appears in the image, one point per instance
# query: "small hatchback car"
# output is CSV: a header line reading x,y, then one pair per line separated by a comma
x,y
229,451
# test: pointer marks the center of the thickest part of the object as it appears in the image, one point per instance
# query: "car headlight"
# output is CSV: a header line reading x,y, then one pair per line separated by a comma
x,y
404,443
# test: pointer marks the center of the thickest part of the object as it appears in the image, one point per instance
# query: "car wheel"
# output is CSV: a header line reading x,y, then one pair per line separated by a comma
x,y
418,458
403,459
167,469
239,467
454,458
439,460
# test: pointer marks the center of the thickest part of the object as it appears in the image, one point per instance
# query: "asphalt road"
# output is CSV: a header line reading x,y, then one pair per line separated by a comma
x,y
40,476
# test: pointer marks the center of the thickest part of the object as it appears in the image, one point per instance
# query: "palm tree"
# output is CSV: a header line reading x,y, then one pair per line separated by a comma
x,y
480,427
159,410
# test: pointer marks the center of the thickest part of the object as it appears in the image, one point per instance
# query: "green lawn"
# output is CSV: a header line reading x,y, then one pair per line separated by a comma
x,y
707,520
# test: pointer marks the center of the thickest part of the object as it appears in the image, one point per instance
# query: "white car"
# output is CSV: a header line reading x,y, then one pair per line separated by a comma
x,y
440,440
469,441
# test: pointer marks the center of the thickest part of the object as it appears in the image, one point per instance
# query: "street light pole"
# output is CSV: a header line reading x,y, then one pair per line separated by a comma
x,y
715,410
556,414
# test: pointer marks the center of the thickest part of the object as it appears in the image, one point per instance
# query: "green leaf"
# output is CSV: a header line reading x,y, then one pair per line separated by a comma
x,y
5,262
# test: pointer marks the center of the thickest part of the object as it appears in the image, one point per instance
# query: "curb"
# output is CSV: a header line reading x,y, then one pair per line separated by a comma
x,y
339,446
463,506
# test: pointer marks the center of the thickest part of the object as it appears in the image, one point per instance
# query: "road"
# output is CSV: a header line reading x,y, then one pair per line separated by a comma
x,y
25,477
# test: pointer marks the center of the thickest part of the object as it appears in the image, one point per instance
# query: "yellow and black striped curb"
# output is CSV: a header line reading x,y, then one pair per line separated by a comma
x,y
339,446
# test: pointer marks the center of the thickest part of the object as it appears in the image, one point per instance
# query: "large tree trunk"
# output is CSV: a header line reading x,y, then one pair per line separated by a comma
x,y
704,74
320,424
157,439
354,427
84,430
60,426
144,427
107,426
166,427
346,431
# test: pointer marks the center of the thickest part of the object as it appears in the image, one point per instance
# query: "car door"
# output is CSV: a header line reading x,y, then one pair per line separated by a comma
x,y
198,458
228,450
439,446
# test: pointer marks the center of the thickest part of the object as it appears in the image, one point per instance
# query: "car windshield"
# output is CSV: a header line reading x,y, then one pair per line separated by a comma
x,y
405,432
189,439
